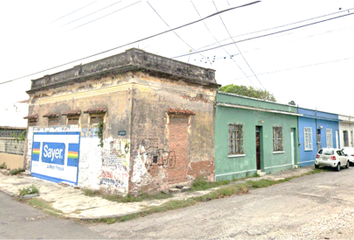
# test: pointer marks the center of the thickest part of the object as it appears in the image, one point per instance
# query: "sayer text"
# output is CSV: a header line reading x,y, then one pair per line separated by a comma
x,y
52,153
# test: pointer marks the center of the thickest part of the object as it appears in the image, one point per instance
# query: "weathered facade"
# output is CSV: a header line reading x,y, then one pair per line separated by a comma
x,y
128,123
252,135
317,129
346,128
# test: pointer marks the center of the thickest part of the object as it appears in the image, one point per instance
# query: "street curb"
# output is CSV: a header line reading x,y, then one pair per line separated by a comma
x,y
293,173
7,193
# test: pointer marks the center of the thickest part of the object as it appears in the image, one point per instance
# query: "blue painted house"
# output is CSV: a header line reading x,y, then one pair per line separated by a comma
x,y
317,130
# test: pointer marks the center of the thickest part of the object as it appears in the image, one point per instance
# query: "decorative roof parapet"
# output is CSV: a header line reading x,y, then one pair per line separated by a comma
x,y
130,60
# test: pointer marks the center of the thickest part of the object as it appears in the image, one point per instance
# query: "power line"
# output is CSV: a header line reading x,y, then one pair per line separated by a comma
x,y
220,43
126,44
300,67
73,12
170,28
281,26
90,14
102,16
238,48
265,35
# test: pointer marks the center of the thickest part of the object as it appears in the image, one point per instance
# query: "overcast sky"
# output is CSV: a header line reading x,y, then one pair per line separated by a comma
x,y
311,65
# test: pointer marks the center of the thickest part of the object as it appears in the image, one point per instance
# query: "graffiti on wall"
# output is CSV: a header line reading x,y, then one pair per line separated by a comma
x,y
154,155
151,154
91,132
114,181
114,176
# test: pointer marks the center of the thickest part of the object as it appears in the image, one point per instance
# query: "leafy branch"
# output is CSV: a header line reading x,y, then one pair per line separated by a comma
x,y
100,133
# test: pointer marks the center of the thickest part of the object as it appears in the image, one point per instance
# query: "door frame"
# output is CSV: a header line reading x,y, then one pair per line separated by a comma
x,y
260,130
293,145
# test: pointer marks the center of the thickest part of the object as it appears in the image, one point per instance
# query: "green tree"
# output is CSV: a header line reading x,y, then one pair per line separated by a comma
x,y
248,92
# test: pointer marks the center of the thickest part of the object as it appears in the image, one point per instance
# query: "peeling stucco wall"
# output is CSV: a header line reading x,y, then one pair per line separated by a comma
x,y
153,159
141,93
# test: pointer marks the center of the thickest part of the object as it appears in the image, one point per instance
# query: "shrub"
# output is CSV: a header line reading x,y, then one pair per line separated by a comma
x,y
28,190
3,166
16,171
201,184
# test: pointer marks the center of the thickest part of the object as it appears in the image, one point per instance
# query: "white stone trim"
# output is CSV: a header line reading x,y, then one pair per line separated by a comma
x,y
236,155
257,109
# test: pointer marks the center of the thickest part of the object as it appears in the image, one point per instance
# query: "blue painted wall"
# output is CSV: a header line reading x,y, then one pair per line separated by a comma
x,y
316,120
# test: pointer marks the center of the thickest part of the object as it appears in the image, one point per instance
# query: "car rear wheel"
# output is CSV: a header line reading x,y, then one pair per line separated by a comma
x,y
347,165
317,166
338,167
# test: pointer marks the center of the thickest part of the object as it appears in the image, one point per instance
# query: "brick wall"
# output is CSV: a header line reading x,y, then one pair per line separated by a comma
x,y
179,145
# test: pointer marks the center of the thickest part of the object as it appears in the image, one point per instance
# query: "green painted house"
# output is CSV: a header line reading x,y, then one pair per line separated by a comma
x,y
253,135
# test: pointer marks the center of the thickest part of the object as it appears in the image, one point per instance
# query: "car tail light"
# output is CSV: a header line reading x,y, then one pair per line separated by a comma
x,y
333,158
317,156
352,155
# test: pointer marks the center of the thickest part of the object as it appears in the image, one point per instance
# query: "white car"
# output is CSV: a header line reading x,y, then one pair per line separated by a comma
x,y
331,157
350,152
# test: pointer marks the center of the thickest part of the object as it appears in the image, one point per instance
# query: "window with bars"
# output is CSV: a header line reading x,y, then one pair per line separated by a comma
x,y
53,121
73,119
308,139
278,139
329,140
96,118
346,138
236,139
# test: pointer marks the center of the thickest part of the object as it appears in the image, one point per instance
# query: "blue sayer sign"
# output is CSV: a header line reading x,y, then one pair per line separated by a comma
x,y
55,156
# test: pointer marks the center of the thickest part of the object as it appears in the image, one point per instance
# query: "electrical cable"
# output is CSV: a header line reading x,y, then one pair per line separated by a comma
x,y
90,14
73,12
238,49
265,35
170,28
302,66
220,44
126,44
102,16
281,26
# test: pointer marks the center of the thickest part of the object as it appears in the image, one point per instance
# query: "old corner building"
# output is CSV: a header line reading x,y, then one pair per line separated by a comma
x,y
127,123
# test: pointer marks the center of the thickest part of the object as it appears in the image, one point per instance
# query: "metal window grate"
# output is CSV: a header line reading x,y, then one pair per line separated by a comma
x,y
278,143
236,139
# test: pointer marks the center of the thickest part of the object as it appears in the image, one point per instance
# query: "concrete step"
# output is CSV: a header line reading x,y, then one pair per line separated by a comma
x,y
179,190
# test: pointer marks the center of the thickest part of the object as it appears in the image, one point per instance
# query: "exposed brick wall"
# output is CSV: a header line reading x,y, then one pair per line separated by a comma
x,y
179,145
202,169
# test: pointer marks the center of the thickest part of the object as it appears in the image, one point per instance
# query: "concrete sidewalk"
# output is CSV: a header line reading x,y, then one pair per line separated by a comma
x,y
74,204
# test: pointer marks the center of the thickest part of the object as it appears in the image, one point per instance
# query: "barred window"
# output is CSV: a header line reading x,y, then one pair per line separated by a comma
x,y
73,119
278,139
96,118
53,121
346,138
329,140
308,139
236,139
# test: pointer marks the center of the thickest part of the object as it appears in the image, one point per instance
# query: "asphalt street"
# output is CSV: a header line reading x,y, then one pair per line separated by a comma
x,y
21,221
318,206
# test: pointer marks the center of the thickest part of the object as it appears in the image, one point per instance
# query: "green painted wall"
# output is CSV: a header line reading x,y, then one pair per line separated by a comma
x,y
236,167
